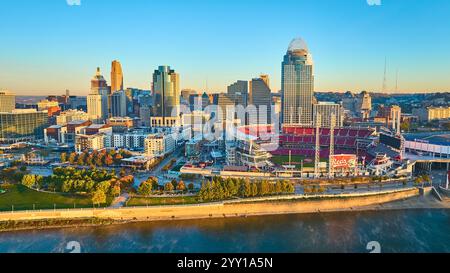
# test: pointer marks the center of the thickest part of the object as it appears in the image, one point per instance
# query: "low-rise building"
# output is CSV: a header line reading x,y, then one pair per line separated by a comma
x,y
432,113
71,115
159,145
121,124
89,142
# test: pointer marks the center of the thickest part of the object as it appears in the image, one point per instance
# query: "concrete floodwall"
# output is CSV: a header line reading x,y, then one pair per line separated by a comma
x,y
222,209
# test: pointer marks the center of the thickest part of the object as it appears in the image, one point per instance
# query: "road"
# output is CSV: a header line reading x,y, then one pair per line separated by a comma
x,y
157,171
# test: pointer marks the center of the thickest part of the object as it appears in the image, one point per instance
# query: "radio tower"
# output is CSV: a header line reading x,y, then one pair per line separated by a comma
x,y
317,150
384,78
330,162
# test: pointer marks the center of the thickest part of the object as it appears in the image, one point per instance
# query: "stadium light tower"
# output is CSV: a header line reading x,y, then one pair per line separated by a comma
x,y
330,162
317,150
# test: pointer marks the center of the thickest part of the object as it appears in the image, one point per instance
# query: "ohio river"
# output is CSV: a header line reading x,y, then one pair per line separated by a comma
x,y
396,231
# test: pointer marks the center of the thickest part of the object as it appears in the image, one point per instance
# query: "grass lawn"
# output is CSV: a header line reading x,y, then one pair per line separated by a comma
x,y
158,201
23,199
295,160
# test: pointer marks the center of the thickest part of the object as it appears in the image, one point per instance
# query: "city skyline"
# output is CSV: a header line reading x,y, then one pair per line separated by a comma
x,y
60,52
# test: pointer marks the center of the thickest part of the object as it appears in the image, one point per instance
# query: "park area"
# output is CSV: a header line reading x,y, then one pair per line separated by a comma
x,y
19,197
161,201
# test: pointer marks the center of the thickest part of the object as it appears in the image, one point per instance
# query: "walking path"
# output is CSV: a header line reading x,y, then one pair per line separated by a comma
x,y
120,201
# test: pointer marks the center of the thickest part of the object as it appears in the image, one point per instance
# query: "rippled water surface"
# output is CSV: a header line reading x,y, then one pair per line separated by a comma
x,y
396,231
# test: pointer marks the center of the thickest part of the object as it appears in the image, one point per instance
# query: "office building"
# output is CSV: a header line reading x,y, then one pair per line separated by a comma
x,y
297,84
260,97
22,125
238,93
116,77
7,101
166,93
118,104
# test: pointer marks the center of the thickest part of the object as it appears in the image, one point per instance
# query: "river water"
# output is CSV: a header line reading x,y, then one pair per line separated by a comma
x,y
396,231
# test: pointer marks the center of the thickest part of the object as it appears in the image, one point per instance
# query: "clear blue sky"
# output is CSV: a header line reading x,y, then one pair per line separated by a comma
x,y
47,46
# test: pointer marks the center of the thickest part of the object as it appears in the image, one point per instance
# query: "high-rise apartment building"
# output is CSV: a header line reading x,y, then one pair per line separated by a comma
x,y
7,101
166,93
297,84
116,76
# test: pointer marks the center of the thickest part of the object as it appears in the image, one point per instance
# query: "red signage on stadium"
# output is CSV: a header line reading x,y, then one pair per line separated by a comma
x,y
343,161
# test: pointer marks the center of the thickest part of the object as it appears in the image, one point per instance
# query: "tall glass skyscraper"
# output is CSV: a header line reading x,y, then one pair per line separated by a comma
x,y
297,85
166,92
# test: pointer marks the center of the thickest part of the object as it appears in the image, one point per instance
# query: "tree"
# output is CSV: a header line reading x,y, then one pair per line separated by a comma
x,y
174,183
117,158
81,160
405,126
63,157
115,190
191,186
67,186
122,172
418,180
181,186
145,188
108,160
168,187
72,158
104,186
29,180
98,197
23,168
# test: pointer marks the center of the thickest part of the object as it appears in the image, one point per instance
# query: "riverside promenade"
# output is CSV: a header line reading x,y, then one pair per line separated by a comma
x,y
237,208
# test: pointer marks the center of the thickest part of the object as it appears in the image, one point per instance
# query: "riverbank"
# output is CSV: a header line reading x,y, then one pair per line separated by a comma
x,y
392,200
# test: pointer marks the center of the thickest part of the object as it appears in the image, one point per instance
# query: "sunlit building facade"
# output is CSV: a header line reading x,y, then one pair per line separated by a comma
x,y
297,85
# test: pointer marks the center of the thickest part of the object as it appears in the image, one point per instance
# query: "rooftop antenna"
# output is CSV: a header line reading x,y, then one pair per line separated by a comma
x,y
384,78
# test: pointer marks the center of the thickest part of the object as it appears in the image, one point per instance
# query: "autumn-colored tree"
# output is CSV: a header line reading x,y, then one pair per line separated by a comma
x,y
108,160
72,158
115,190
63,157
145,188
98,197
168,187
181,186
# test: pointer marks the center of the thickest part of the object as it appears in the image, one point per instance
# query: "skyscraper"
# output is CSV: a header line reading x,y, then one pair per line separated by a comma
x,y
116,76
7,101
98,99
260,96
99,85
297,84
166,92
238,92
118,104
